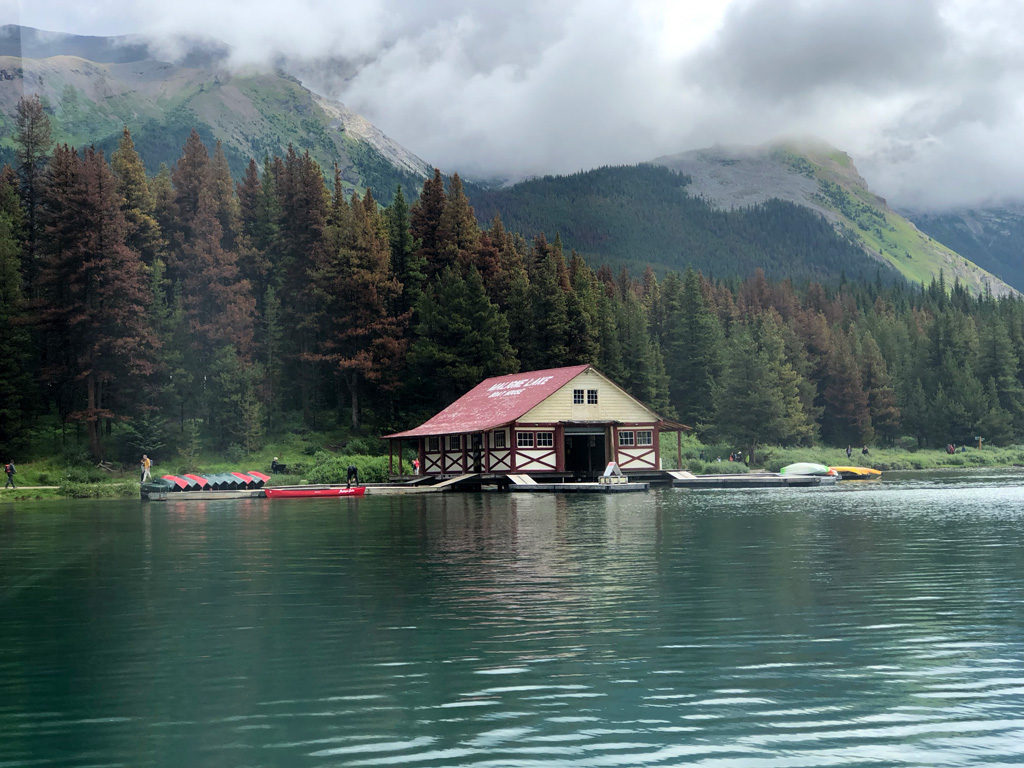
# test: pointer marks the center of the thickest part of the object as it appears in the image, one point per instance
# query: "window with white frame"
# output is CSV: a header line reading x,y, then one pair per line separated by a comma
x,y
577,397
499,439
591,397
645,437
454,442
524,439
545,439
627,437
433,445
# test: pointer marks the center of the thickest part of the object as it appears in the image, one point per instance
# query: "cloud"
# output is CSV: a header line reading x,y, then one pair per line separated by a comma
x,y
925,94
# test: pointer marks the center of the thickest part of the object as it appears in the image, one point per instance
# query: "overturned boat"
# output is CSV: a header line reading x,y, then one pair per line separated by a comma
x,y
857,473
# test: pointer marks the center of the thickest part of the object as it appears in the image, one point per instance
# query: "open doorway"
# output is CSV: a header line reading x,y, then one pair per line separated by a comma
x,y
585,454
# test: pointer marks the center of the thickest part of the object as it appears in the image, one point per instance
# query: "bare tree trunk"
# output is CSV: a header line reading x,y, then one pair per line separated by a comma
x,y
93,421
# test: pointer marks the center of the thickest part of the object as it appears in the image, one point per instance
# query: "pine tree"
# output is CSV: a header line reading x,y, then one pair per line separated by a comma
x,y
223,191
881,395
461,338
15,378
361,340
33,141
139,208
691,341
550,327
458,235
218,302
97,292
425,219
407,264
847,418
998,365
758,400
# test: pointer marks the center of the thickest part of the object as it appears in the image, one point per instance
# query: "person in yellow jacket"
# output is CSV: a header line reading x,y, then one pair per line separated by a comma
x,y
146,464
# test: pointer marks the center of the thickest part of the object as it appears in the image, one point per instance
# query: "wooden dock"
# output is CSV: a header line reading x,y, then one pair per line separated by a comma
x,y
534,487
750,480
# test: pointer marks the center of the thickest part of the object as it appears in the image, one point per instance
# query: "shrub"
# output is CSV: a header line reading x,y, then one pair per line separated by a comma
x,y
328,469
81,474
76,490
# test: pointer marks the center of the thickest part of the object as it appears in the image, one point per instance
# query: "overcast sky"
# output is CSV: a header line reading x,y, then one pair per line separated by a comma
x,y
926,95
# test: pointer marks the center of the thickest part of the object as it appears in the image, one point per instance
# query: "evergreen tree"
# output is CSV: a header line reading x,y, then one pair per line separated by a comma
x,y
32,144
758,400
998,365
878,387
549,335
407,263
461,338
691,340
847,417
139,208
96,293
425,220
15,378
458,235
361,341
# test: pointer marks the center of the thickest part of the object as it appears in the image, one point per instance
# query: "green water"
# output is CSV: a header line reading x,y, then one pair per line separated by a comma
x,y
877,624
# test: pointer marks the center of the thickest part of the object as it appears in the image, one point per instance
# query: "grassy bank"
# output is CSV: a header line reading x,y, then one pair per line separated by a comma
x,y
48,479
705,459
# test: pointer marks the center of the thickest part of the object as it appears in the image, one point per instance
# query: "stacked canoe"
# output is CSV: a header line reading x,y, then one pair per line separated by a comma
x,y
220,486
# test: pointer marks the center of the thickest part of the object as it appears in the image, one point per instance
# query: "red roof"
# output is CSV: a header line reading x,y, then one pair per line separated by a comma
x,y
495,402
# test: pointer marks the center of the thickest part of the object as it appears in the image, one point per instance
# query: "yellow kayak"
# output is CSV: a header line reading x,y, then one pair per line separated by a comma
x,y
858,473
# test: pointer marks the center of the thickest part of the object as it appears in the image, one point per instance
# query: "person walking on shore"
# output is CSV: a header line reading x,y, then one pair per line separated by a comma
x,y
146,464
10,471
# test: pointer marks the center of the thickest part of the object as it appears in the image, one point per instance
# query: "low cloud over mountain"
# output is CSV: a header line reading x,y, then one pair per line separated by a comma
x,y
925,94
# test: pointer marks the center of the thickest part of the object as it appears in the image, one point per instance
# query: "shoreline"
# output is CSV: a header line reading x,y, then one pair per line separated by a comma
x,y
124,489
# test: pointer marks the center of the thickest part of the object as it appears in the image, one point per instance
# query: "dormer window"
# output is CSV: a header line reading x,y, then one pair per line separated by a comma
x,y
591,397
577,397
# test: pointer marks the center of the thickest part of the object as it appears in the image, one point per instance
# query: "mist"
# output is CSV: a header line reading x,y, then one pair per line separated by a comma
x,y
924,94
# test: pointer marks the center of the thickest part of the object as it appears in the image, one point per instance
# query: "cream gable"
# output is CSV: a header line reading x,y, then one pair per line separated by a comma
x,y
613,404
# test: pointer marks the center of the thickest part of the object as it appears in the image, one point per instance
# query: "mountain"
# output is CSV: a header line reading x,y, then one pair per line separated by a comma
x,y
93,87
991,237
631,216
825,180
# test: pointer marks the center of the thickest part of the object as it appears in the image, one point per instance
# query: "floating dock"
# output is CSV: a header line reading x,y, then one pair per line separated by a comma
x,y
749,480
525,483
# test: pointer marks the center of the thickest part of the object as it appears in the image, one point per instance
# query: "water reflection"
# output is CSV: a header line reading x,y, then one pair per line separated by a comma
x,y
875,624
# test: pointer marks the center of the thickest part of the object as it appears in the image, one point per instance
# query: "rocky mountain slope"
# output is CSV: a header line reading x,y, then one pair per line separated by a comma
x,y
991,237
253,113
825,179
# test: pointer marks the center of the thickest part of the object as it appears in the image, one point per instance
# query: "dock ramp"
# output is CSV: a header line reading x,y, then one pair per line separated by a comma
x,y
680,474
522,480
452,481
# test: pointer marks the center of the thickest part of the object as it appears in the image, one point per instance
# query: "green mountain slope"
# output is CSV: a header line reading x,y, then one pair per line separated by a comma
x,y
824,179
637,215
991,237
253,113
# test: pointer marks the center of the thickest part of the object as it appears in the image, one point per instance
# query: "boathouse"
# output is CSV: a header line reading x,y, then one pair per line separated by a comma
x,y
562,421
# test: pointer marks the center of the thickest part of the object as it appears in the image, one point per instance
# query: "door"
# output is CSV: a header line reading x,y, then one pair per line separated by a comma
x,y
477,453
585,455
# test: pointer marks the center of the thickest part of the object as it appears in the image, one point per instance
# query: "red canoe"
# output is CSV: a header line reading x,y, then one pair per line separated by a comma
x,y
308,493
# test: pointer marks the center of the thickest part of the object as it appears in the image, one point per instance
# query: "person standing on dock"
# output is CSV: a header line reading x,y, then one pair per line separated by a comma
x,y
145,465
10,470
351,474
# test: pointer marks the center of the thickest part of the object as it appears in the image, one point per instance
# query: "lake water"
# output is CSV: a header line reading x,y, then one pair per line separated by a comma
x,y
877,624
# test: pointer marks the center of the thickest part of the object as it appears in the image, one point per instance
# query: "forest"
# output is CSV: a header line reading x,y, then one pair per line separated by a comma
x,y
185,308
618,215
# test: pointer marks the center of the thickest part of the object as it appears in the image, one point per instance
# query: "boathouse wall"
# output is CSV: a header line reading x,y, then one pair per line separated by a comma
x,y
582,421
